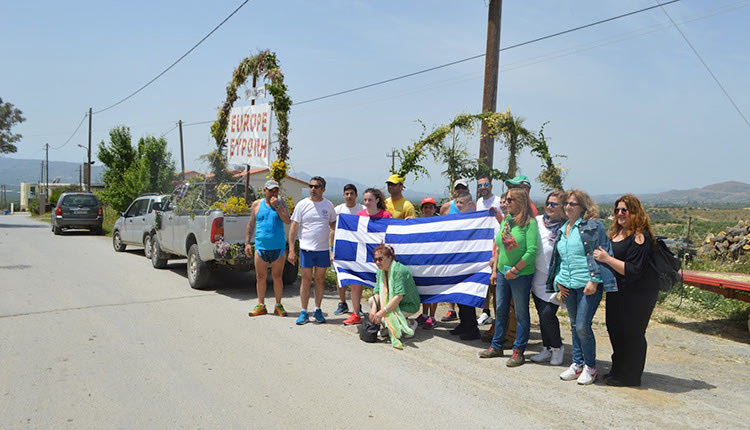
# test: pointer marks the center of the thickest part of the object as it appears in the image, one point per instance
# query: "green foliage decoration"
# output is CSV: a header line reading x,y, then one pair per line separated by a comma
x,y
263,65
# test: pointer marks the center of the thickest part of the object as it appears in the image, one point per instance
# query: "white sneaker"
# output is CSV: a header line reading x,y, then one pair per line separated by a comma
x,y
588,376
484,319
572,372
557,355
542,356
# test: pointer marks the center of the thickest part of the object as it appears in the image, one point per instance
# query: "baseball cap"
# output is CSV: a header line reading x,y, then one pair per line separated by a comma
x,y
428,200
519,180
395,179
463,182
271,184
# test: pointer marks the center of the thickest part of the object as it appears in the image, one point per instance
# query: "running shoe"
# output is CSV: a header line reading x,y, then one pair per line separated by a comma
x,y
342,309
353,319
451,315
303,318
318,315
279,310
260,309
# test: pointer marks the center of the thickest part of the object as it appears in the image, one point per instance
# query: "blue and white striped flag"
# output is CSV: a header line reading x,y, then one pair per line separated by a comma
x,y
447,255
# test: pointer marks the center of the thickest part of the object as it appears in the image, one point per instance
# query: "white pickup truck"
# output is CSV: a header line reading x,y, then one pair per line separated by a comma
x,y
187,228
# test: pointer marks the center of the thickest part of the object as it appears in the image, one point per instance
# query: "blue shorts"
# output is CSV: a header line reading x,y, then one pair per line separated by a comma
x,y
269,255
310,259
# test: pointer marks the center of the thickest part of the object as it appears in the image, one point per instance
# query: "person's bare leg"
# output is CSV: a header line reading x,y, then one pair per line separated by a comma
x,y
261,276
356,298
277,269
320,277
304,287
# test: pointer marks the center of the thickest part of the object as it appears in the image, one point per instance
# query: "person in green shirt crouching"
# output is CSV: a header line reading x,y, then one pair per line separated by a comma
x,y
395,296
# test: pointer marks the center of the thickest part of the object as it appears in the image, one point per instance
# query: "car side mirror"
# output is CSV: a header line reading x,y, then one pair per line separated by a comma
x,y
122,214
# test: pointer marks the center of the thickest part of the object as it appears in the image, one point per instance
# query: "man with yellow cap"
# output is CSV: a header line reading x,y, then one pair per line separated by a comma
x,y
397,204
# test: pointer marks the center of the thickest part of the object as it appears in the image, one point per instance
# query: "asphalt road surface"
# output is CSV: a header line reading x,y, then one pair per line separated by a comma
x,y
90,338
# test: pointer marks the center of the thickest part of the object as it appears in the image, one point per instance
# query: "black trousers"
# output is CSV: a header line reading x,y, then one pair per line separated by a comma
x,y
628,313
548,322
467,316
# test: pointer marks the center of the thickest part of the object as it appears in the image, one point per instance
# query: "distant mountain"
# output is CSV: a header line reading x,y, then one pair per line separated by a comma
x,y
731,192
335,188
13,171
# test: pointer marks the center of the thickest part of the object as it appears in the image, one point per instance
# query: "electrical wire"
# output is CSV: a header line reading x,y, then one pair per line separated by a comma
x,y
177,61
538,39
695,51
74,132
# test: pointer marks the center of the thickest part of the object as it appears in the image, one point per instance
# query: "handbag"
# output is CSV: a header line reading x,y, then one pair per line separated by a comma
x,y
368,330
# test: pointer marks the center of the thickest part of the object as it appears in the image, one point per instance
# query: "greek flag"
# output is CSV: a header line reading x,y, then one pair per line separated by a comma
x,y
447,255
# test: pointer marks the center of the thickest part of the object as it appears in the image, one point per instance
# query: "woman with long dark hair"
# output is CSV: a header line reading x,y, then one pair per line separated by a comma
x,y
629,309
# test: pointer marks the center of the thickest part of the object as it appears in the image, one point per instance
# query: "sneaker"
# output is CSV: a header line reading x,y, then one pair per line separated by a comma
x,y
259,310
516,359
484,318
279,310
429,323
318,315
557,355
303,318
587,376
421,319
451,315
572,372
490,353
543,356
342,309
353,319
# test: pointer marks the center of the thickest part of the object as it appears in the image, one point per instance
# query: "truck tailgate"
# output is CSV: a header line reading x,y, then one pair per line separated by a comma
x,y
234,228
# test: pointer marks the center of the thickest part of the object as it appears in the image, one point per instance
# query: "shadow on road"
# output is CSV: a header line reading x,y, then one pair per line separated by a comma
x,y
4,225
672,384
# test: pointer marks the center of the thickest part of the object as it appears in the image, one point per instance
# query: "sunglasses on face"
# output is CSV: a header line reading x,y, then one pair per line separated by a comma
x,y
621,210
487,185
572,204
316,186
552,204
378,259
509,200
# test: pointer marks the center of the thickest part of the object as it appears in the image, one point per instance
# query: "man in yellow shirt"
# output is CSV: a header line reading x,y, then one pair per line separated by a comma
x,y
396,204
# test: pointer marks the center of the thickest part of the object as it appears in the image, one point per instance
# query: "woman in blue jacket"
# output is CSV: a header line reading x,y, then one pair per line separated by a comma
x,y
580,279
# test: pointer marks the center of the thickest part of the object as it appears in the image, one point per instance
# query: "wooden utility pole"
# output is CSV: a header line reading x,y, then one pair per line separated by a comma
x,y
182,151
491,68
46,162
80,181
88,165
392,155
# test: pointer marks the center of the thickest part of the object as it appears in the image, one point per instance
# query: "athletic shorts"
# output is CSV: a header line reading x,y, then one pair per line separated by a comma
x,y
269,255
314,259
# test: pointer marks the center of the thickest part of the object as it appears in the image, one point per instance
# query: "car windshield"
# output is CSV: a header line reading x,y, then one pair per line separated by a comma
x,y
80,200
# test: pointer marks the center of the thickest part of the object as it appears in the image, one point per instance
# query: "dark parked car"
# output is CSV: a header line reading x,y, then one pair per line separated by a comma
x,y
78,210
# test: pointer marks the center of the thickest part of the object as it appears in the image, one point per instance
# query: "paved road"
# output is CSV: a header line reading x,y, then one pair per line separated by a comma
x,y
94,339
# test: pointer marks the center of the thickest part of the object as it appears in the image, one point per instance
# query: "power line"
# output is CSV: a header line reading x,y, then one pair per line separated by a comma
x,y
74,133
695,51
177,61
549,36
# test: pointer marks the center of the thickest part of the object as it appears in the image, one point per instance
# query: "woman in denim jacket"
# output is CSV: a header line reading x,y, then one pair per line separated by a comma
x,y
580,279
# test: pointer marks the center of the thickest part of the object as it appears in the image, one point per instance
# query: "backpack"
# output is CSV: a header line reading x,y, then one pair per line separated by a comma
x,y
667,266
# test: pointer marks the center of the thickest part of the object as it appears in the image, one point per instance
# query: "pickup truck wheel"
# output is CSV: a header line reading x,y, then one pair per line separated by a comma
x,y
158,259
197,270
289,275
147,248
57,230
117,242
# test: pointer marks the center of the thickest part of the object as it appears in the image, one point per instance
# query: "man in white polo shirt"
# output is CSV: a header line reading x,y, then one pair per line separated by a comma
x,y
314,218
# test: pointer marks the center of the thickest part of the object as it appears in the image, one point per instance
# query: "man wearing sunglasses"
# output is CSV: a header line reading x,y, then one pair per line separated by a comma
x,y
397,204
314,218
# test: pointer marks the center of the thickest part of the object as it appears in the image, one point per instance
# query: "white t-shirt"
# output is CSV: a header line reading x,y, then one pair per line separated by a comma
x,y
493,202
314,220
344,209
541,264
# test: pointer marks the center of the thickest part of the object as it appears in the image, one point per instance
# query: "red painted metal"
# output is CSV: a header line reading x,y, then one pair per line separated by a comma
x,y
731,288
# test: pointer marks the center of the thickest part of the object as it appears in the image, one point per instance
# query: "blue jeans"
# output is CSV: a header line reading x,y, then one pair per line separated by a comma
x,y
581,309
520,290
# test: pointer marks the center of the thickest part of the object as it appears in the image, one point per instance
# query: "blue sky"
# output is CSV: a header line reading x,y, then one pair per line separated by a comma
x,y
627,101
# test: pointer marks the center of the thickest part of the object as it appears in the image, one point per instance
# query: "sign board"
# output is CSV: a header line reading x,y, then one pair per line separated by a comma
x,y
255,93
249,135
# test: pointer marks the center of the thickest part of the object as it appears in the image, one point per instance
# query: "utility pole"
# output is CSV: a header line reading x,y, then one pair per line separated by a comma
x,y
80,182
182,151
46,160
393,158
491,67
88,165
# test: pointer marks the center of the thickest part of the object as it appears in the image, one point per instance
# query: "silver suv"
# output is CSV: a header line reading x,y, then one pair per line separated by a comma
x,y
136,225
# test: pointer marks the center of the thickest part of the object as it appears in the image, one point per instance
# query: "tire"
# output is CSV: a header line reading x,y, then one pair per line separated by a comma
x,y
158,258
57,230
289,275
198,272
147,246
117,242
99,231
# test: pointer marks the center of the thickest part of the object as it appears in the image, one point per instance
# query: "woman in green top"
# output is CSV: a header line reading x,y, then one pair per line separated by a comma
x,y
517,244
395,296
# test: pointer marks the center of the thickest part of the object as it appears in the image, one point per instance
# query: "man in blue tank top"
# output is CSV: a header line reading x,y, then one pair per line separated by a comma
x,y
267,218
